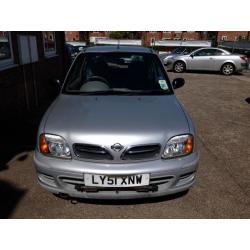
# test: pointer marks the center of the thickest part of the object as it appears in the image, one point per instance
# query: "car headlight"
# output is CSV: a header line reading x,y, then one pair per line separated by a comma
x,y
178,146
54,145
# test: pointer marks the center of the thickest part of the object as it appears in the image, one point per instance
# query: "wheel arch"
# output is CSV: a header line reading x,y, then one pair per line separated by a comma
x,y
180,60
228,61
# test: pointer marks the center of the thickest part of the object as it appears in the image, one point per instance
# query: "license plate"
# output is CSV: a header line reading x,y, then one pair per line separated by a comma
x,y
116,181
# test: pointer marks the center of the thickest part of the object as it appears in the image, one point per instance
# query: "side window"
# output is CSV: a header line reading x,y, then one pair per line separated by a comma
x,y
219,52
6,55
206,52
201,52
49,43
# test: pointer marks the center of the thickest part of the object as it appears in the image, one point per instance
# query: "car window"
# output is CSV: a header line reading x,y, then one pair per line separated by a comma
x,y
209,52
117,71
204,52
218,52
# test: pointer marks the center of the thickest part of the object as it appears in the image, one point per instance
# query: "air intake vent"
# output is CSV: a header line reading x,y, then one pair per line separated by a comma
x,y
141,152
91,152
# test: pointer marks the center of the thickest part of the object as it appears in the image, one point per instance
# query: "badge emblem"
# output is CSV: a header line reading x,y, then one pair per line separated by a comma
x,y
117,147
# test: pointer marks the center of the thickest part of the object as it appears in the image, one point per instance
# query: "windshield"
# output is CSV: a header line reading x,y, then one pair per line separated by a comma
x,y
182,50
112,73
179,50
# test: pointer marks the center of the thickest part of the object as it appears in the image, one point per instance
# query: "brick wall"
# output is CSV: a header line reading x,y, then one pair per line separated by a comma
x,y
72,36
171,35
150,35
232,35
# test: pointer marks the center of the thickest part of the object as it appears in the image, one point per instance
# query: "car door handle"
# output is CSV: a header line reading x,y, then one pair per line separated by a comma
x,y
211,58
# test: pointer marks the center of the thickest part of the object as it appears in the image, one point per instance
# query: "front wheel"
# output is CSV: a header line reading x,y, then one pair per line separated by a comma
x,y
179,67
227,69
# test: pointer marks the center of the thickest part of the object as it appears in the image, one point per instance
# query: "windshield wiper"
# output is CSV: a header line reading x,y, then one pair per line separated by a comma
x,y
107,92
122,92
152,92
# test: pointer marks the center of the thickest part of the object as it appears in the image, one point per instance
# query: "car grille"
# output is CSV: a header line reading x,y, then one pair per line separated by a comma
x,y
92,152
141,152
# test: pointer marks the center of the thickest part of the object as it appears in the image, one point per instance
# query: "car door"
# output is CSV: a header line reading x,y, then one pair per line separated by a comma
x,y
202,59
217,58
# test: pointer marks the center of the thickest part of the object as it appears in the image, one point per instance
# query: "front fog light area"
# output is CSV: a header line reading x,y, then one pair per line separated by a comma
x,y
178,146
54,145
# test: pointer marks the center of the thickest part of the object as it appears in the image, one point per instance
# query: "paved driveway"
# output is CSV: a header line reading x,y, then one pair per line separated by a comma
x,y
221,113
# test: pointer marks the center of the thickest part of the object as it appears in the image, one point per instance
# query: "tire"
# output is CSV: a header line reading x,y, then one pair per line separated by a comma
x,y
227,69
179,67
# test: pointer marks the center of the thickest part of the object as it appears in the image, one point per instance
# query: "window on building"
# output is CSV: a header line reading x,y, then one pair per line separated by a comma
x,y
224,38
49,43
6,55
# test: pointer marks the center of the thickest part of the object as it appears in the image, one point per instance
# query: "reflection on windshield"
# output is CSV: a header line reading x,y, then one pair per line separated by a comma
x,y
117,73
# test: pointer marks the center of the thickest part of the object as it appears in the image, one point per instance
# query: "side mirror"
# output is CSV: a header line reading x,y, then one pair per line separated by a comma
x,y
178,82
192,55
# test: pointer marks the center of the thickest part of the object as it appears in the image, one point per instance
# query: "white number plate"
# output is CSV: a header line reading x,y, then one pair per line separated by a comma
x,y
116,181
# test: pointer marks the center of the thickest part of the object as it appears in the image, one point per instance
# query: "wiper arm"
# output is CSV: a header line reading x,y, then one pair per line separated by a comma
x,y
123,92
107,92
153,92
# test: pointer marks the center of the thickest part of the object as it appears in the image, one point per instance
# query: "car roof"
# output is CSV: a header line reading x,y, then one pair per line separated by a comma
x,y
119,48
212,48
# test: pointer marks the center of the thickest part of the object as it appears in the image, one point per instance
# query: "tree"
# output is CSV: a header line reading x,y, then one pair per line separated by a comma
x,y
212,35
84,36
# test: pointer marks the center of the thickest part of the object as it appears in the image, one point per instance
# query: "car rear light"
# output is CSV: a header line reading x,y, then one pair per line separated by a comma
x,y
244,58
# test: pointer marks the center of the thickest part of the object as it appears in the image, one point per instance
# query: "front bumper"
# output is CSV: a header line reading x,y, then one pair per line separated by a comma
x,y
66,176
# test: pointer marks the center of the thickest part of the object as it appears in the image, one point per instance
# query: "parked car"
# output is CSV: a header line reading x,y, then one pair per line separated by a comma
x,y
177,51
211,59
73,48
117,130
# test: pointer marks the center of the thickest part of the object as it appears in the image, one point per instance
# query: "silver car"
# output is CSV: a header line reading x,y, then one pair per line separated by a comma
x,y
176,52
211,59
117,130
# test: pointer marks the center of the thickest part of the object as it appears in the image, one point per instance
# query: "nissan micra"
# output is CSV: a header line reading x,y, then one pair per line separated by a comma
x,y
117,130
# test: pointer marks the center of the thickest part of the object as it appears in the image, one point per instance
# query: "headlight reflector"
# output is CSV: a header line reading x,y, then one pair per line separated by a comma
x,y
178,146
54,145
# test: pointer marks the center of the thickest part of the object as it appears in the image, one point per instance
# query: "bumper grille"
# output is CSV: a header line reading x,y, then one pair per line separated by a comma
x,y
92,152
77,183
71,180
160,180
141,152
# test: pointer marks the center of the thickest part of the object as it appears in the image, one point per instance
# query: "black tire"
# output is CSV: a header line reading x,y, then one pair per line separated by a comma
x,y
227,69
179,67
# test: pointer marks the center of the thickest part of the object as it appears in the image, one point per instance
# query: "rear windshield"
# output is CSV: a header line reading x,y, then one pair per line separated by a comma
x,y
117,72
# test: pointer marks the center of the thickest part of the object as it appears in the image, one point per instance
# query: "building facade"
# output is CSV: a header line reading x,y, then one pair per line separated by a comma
x,y
29,61
233,36
83,35
148,37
